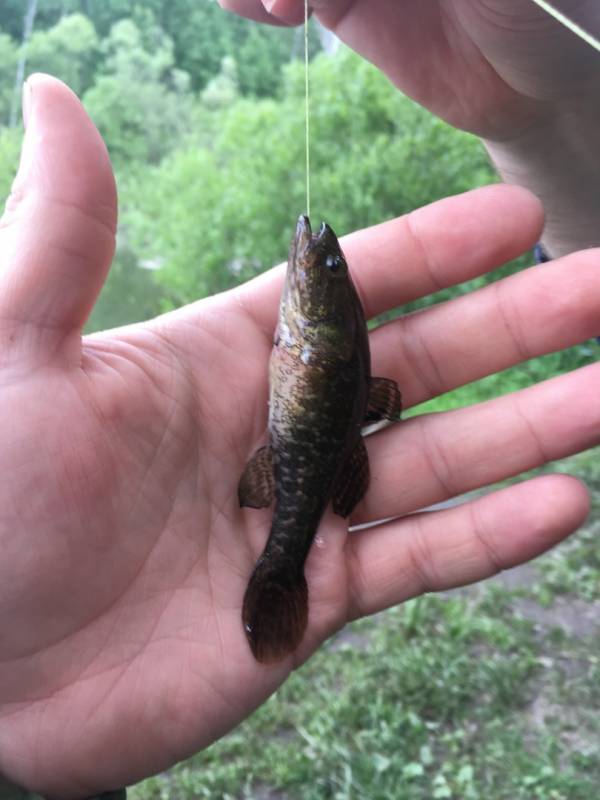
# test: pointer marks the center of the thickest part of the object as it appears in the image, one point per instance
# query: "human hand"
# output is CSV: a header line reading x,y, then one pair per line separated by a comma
x,y
502,69
493,68
124,553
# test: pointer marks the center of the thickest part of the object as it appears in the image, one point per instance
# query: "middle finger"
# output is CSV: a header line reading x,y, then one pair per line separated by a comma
x,y
537,311
431,458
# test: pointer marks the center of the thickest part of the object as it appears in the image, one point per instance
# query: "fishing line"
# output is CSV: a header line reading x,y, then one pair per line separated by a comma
x,y
543,4
306,108
568,23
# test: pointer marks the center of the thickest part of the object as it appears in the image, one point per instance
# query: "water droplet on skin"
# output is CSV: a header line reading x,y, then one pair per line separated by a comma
x,y
319,541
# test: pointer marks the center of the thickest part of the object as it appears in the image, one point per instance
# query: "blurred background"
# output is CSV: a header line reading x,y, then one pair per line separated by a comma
x,y
489,692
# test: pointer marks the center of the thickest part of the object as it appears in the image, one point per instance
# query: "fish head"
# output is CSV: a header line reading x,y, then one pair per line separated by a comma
x,y
318,283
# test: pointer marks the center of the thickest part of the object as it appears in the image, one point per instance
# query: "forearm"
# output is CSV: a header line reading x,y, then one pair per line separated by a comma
x,y
560,163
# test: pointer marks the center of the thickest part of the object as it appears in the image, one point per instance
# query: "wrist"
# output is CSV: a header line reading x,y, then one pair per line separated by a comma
x,y
558,160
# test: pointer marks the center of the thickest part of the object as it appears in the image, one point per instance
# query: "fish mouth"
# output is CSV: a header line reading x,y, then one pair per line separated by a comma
x,y
303,236
313,256
306,241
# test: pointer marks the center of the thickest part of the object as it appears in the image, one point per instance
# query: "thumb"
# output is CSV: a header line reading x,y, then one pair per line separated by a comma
x,y
58,230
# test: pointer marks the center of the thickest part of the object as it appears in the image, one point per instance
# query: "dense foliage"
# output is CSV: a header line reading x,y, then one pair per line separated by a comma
x,y
203,114
228,198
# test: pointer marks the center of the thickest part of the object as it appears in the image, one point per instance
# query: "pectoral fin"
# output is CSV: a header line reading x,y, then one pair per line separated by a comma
x,y
353,482
257,484
385,401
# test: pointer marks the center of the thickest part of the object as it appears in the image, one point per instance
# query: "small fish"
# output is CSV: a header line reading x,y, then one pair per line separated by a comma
x,y
321,395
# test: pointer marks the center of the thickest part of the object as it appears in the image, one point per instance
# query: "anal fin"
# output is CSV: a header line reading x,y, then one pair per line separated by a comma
x,y
257,484
385,400
353,481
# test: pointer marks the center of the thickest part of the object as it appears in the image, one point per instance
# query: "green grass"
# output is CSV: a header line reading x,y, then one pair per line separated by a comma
x,y
467,697
459,697
573,569
434,703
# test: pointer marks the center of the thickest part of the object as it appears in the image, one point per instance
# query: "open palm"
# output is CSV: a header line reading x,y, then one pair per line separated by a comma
x,y
124,554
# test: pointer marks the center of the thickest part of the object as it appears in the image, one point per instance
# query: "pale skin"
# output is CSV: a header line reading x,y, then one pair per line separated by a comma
x,y
124,554
502,69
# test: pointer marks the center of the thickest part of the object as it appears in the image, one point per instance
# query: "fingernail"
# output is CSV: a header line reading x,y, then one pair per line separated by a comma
x,y
26,101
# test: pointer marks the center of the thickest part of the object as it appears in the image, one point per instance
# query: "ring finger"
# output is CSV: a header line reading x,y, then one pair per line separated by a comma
x,y
431,458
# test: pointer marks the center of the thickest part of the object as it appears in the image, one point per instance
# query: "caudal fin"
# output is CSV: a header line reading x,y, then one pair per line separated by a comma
x,y
275,610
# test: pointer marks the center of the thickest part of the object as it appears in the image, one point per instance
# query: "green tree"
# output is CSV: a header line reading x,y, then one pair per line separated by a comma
x,y
130,294
10,147
222,90
9,54
262,54
28,23
227,207
202,34
47,14
104,13
188,181
67,50
141,101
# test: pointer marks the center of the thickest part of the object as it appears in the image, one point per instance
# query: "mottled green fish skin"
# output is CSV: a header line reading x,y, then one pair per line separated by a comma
x,y
319,384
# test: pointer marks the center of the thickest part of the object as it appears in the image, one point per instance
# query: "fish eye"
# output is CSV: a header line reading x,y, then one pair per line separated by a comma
x,y
333,263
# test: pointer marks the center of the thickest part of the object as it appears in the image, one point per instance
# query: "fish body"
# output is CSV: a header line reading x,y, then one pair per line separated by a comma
x,y
320,386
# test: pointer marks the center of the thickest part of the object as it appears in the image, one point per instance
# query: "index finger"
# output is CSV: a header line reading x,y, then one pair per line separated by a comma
x,y
434,247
